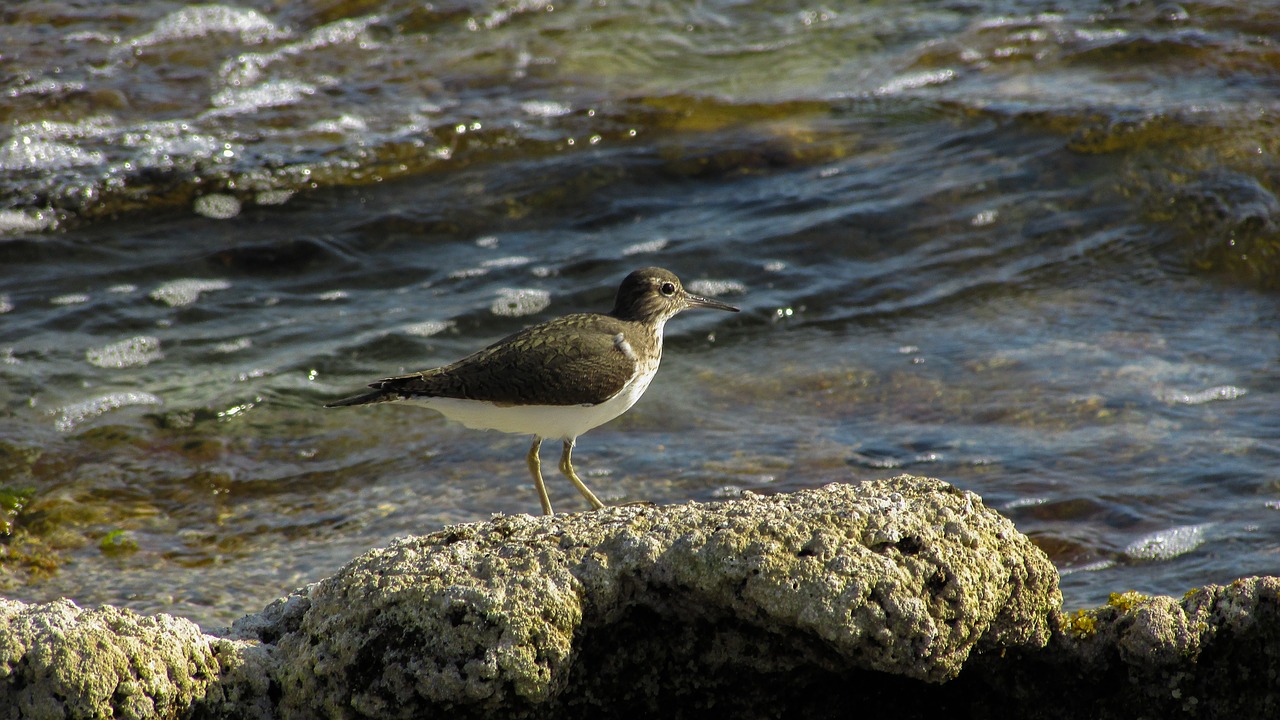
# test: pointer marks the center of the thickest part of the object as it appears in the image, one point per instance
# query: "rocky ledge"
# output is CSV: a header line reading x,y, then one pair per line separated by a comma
x,y
906,596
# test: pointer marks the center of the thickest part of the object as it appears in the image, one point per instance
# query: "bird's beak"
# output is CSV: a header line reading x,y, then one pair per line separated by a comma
x,y
696,301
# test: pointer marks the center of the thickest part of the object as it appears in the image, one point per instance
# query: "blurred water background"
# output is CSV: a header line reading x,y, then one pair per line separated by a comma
x,y
1031,248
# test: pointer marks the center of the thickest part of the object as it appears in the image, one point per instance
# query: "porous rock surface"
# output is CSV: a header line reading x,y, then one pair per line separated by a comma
x,y
906,576
58,660
1214,653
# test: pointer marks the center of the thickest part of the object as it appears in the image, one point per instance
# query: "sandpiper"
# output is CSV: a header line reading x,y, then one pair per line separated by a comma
x,y
558,379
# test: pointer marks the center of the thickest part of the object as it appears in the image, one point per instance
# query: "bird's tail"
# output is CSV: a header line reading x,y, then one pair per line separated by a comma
x,y
373,396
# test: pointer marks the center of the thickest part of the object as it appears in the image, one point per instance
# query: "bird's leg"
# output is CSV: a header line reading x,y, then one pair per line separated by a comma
x,y
535,469
566,467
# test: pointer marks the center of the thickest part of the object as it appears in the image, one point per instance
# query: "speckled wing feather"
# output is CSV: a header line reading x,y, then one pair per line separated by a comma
x,y
573,360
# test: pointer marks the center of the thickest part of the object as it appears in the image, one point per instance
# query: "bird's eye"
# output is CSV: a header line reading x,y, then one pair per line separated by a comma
x,y
667,289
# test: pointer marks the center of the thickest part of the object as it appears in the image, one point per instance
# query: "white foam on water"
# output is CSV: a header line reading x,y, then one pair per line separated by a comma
x,y
913,81
518,302
1220,392
1022,502
200,20
25,152
47,87
272,197
342,125
245,69
238,100
177,293
427,328
159,143
506,262
1167,544
236,345
545,108
133,352
1095,566
70,299
648,246
217,206
715,288
340,32
26,221
72,415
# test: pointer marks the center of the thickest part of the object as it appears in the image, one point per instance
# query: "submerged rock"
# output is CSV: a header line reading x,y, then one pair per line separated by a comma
x,y
906,596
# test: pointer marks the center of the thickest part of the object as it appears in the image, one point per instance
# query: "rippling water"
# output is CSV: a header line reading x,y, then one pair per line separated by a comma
x,y
1030,251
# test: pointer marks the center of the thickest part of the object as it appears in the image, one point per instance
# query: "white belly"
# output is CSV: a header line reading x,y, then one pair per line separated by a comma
x,y
553,422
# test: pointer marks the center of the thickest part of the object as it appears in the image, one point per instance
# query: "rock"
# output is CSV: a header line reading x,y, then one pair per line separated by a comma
x,y
905,597
60,661
525,614
1214,653
900,595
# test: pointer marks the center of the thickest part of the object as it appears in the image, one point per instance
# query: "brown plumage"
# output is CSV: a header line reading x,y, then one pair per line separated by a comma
x,y
572,360
556,379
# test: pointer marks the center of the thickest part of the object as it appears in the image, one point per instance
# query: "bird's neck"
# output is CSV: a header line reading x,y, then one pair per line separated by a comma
x,y
650,331
656,329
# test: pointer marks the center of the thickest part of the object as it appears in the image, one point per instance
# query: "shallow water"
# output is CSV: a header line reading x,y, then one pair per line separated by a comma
x,y
1030,252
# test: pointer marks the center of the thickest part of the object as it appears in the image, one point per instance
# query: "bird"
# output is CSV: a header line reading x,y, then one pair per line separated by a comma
x,y
558,379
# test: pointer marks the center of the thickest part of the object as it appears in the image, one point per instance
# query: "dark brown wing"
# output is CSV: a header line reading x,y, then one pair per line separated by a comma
x,y
573,360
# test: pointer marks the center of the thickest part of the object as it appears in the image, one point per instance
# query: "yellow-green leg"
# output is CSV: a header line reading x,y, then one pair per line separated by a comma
x,y
535,469
566,467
